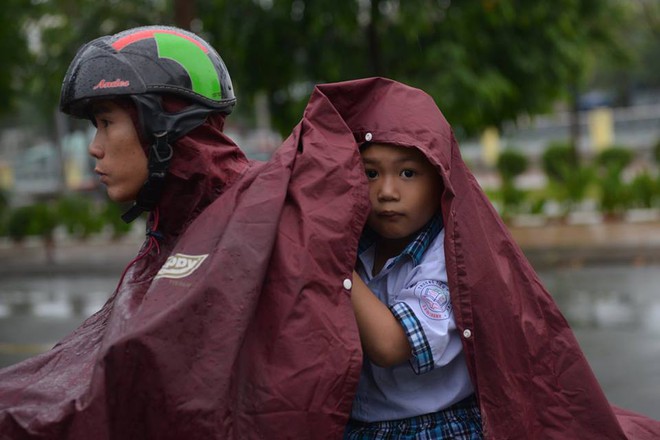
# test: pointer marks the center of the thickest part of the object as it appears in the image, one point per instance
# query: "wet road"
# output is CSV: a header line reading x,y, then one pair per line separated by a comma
x,y
36,312
614,311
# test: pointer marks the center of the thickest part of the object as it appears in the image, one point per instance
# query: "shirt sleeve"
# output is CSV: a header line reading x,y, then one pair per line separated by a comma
x,y
425,312
422,357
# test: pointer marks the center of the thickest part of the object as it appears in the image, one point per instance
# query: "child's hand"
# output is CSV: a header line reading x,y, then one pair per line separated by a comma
x,y
382,336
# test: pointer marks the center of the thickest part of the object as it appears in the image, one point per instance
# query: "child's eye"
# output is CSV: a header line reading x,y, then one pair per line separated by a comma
x,y
408,173
371,174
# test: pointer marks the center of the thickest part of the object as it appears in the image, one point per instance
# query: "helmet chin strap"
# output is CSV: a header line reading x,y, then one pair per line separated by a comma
x,y
164,129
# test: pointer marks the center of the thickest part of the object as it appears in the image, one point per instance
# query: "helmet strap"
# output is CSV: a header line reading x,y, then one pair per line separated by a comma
x,y
164,128
160,155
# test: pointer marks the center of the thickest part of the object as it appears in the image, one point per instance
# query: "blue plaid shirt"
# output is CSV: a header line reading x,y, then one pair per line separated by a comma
x,y
414,286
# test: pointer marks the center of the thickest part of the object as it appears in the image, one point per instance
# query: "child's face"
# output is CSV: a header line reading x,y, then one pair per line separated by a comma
x,y
120,160
404,189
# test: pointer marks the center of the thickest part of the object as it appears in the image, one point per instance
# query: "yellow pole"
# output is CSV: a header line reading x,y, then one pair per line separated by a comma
x,y
490,146
6,176
601,128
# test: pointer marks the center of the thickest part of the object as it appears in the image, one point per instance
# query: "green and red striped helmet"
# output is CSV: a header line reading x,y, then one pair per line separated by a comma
x,y
147,60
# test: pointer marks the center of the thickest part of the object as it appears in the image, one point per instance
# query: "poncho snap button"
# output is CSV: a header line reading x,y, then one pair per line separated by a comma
x,y
467,333
347,284
368,137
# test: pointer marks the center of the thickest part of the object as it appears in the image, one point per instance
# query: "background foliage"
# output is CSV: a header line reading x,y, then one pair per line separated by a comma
x,y
484,61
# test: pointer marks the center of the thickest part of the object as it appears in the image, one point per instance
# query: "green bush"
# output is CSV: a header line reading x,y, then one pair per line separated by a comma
x,y
32,220
656,152
44,220
615,158
577,183
4,202
537,204
512,199
4,212
78,215
18,223
614,193
559,161
568,180
644,191
510,164
111,215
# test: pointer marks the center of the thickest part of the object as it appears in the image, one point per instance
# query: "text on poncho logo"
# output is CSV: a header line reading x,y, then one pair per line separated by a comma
x,y
180,265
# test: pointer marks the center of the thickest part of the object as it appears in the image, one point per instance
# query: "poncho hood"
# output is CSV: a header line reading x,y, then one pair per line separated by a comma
x,y
242,328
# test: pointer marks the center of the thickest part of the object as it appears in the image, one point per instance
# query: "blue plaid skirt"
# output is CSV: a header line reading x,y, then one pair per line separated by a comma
x,y
461,421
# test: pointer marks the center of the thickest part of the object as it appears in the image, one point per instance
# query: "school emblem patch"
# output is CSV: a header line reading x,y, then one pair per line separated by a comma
x,y
180,265
434,299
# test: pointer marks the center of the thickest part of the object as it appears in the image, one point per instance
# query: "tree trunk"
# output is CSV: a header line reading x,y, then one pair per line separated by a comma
x,y
184,13
575,122
375,66
61,129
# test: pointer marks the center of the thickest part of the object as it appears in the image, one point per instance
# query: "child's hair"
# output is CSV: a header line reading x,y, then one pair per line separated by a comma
x,y
364,146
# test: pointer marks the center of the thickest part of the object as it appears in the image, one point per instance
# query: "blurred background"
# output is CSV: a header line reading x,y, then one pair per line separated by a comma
x,y
556,105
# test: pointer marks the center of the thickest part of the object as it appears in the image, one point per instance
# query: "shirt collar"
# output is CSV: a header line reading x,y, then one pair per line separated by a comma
x,y
415,249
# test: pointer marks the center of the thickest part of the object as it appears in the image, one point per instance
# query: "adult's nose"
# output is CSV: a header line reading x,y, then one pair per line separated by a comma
x,y
95,148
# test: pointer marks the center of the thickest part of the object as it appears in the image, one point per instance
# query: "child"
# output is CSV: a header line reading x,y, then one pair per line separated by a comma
x,y
441,268
414,380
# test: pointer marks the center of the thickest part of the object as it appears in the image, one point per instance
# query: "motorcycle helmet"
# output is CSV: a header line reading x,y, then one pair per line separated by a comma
x,y
147,60
143,64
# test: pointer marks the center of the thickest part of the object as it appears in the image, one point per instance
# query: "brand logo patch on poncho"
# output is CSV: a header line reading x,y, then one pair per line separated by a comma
x,y
434,299
180,265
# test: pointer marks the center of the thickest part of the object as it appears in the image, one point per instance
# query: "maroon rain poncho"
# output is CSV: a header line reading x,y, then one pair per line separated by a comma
x,y
531,377
242,326
239,328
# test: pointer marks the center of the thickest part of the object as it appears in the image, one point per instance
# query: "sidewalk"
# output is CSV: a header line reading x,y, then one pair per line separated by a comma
x,y
549,245
91,257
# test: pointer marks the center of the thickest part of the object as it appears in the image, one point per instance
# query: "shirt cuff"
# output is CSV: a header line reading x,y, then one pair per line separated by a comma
x,y
422,360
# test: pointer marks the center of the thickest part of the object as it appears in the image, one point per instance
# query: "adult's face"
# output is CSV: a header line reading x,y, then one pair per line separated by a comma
x,y
121,163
